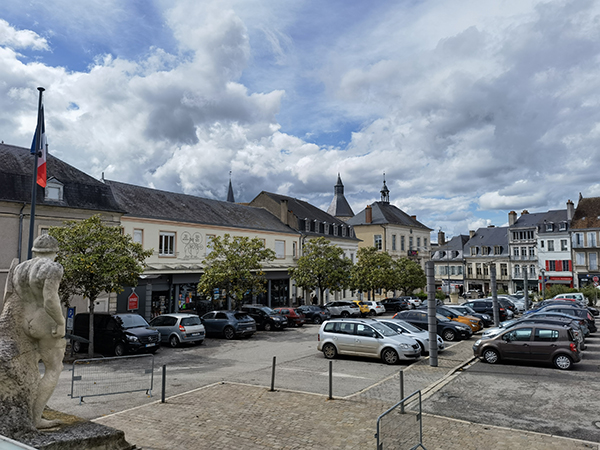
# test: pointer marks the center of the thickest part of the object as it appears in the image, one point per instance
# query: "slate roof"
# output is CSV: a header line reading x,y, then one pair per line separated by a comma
x,y
339,206
143,202
587,213
489,237
80,191
456,244
385,213
538,220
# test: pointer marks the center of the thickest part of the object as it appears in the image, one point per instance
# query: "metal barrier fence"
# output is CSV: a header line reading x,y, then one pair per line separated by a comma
x,y
106,376
399,428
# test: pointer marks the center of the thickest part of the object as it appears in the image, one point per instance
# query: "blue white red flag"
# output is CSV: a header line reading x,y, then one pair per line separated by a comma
x,y
40,149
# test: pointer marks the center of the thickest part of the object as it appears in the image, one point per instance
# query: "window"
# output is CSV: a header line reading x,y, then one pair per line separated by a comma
x,y
166,244
401,243
410,242
497,249
523,252
578,240
517,270
545,335
393,242
478,268
566,265
378,242
486,271
591,239
470,270
549,227
138,236
279,249
532,271
209,245
503,270
552,266
522,334
564,245
418,243
516,252
294,250
541,244
459,270
562,226
593,261
44,231
53,190
550,245
473,251
580,259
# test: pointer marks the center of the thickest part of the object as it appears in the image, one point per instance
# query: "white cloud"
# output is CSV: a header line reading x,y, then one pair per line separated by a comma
x,y
17,39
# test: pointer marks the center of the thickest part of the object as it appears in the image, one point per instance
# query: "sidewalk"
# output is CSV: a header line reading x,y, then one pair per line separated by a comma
x,y
241,416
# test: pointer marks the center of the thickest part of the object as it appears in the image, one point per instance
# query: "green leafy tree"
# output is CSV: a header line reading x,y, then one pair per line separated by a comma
x,y
96,258
321,266
409,275
373,270
235,266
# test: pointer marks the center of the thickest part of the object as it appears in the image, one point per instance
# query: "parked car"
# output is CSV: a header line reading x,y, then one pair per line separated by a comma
x,y
414,301
396,304
365,337
343,308
572,310
375,308
467,311
472,294
473,322
448,329
229,324
486,306
116,334
315,314
421,336
266,319
363,307
531,342
550,314
294,317
179,328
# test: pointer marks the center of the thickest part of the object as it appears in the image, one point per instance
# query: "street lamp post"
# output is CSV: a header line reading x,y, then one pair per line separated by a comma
x,y
543,272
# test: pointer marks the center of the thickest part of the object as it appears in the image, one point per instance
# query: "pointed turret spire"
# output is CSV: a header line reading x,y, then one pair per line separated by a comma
x,y
339,206
230,191
385,192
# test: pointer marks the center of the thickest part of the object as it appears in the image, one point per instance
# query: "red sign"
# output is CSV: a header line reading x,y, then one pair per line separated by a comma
x,y
132,301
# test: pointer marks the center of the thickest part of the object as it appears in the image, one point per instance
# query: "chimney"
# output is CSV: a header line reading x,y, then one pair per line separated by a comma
x,y
441,238
471,234
524,212
284,212
570,210
414,217
368,214
512,218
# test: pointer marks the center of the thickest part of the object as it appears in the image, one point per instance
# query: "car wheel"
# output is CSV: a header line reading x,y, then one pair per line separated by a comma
x,y
76,346
491,356
317,320
449,335
389,356
173,341
229,333
563,362
345,314
329,351
119,349
267,326
372,313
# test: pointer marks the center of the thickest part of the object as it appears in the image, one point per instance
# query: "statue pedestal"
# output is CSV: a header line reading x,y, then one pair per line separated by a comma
x,y
75,433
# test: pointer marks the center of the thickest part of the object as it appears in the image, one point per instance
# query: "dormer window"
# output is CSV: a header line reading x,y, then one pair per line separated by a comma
x,y
54,190
562,226
549,227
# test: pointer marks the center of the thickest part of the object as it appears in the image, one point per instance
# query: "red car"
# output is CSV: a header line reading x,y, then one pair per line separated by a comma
x,y
294,317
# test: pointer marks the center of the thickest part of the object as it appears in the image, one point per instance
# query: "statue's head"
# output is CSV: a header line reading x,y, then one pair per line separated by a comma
x,y
45,246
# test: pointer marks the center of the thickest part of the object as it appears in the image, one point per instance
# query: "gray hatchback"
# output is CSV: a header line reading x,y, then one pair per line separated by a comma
x,y
177,328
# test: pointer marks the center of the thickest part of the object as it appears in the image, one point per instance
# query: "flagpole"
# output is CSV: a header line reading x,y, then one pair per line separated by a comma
x,y
38,139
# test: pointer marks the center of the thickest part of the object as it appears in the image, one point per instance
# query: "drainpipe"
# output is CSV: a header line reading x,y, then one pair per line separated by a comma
x,y
20,231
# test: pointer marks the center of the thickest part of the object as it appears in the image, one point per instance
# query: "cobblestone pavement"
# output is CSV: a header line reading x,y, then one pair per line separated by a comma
x,y
240,416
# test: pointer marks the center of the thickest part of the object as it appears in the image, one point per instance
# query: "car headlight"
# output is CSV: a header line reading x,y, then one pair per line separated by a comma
x,y
473,320
404,346
485,317
477,343
131,338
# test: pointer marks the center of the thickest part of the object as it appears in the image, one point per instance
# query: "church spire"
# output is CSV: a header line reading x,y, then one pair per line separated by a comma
x,y
385,192
339,207
230,191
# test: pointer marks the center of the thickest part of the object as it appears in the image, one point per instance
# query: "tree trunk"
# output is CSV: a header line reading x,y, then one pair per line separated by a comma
x,y
91,336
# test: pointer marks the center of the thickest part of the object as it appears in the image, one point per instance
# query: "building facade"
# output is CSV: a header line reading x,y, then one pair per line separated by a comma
x,y
585,228
449,263
485,247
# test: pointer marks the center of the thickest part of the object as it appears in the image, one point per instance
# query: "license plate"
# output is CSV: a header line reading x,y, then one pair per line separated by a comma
x,y
195,334
150,345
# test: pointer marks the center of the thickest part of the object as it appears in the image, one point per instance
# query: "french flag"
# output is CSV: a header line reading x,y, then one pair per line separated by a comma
x,y
40,149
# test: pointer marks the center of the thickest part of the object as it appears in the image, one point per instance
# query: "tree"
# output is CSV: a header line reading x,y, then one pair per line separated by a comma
x,y
409,275
96,258
235,265
321,266
373,270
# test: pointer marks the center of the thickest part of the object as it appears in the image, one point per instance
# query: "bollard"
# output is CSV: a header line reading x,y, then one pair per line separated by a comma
x,y
330,380
273,375
402,391
164,381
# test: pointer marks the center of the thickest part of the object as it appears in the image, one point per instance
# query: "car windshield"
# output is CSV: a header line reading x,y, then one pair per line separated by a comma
x,y
268,310
508,323
190,321
469,310
242,316
407,326
441,318
384,329
132,321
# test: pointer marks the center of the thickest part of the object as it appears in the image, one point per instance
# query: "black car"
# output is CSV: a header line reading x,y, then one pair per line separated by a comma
x,y
396,304
579,312
486,306
448,329
266,318
116,334
315,314
229,324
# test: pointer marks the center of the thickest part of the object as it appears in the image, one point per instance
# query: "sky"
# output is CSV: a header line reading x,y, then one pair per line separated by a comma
x,y
469,109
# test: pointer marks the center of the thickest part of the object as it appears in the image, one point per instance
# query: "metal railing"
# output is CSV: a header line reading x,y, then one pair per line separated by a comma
x,y
400,428
107,376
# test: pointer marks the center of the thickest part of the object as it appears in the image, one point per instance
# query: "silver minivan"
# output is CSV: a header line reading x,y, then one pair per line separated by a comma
x,y
366,337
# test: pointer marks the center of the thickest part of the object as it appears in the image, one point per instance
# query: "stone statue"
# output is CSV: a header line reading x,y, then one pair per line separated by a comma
x,y
32,329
